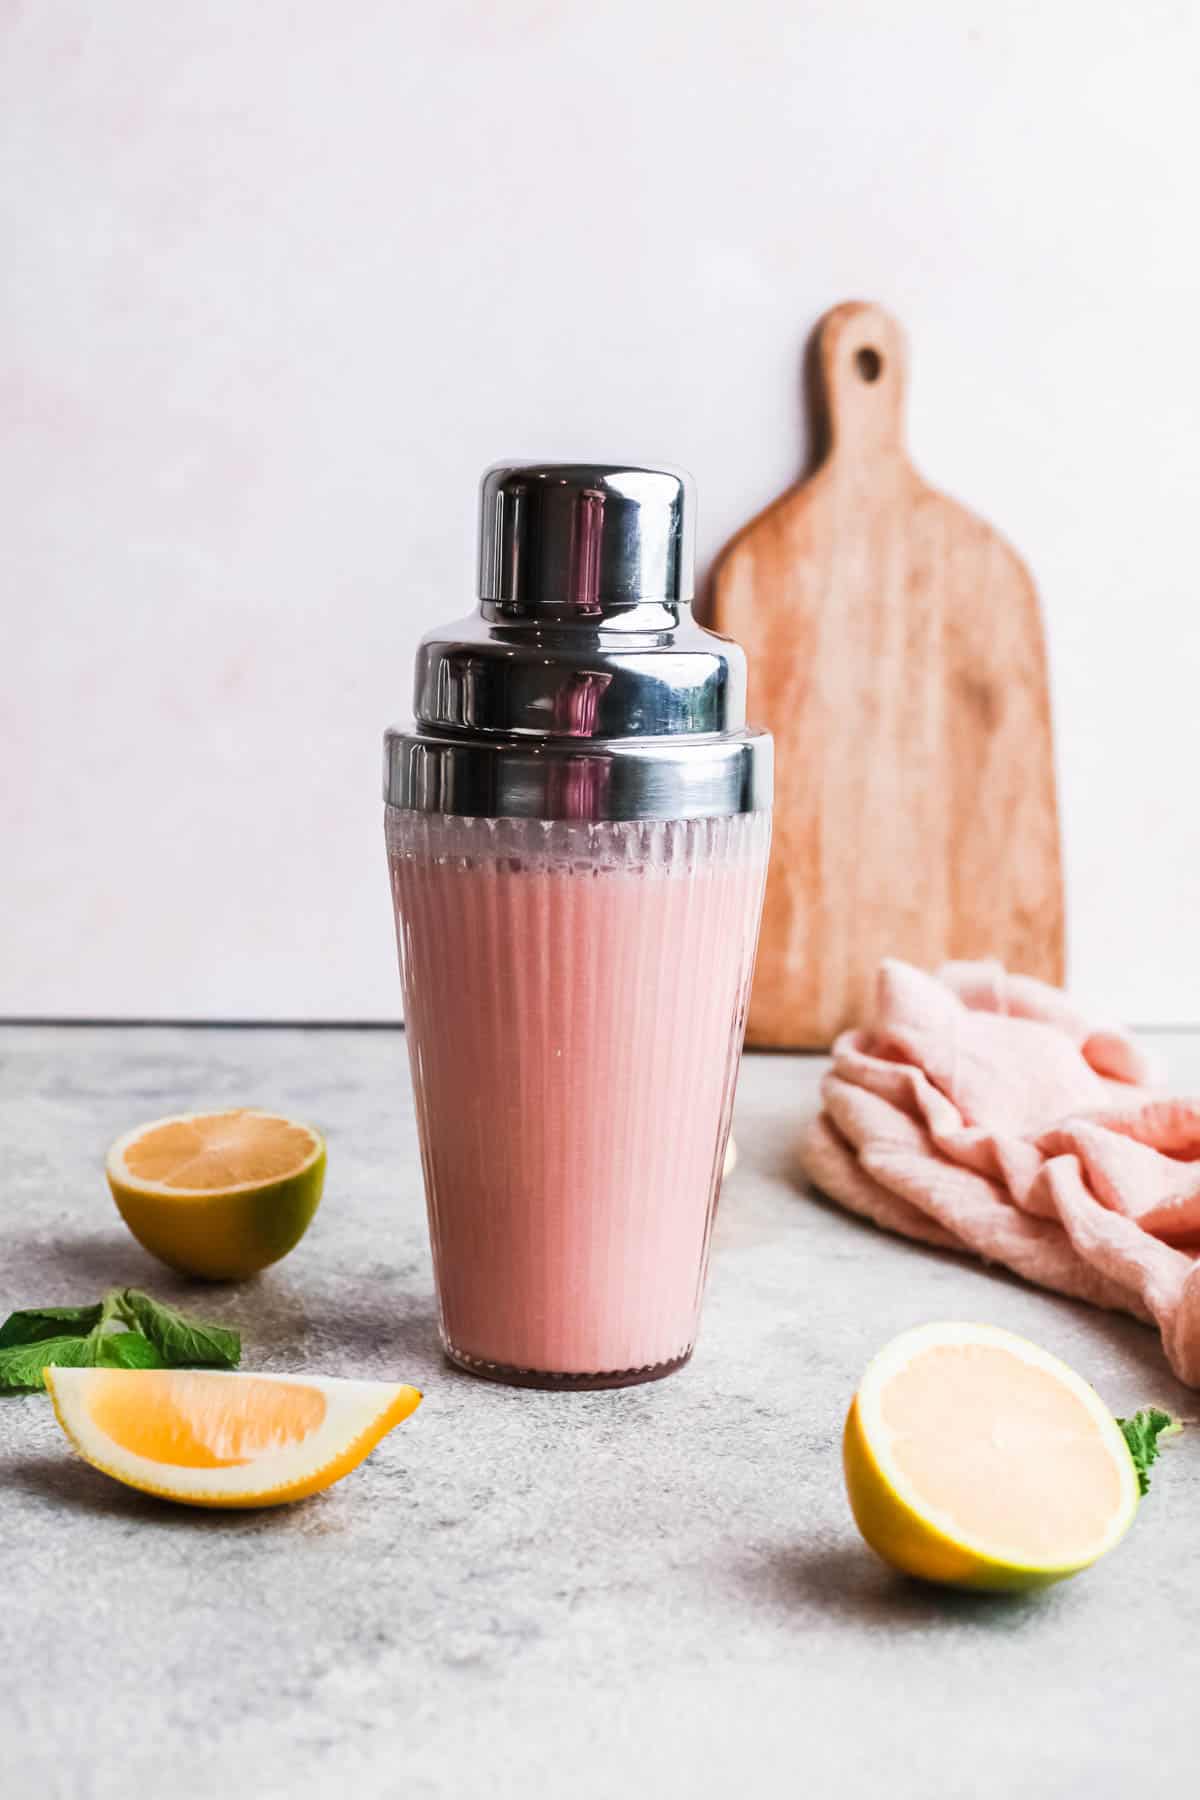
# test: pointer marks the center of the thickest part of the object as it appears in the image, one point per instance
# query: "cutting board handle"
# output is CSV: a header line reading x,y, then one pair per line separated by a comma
x,y
862,359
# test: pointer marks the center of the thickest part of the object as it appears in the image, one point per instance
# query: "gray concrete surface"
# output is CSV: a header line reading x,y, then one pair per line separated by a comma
x,y
651,1592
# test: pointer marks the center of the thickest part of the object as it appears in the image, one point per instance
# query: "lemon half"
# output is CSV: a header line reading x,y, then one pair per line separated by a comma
x,y
218,1194
973,1457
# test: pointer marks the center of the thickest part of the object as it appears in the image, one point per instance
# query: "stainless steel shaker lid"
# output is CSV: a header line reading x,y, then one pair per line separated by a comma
x,y
580,536
582,687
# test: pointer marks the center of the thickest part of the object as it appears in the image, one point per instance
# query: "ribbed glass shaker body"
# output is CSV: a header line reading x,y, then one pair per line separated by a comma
x,y
575,996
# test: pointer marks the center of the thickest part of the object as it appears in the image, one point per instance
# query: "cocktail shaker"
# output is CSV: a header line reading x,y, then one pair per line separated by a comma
x,y
577,826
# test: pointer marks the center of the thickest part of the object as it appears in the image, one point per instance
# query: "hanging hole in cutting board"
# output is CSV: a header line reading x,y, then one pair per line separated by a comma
x,y
869,363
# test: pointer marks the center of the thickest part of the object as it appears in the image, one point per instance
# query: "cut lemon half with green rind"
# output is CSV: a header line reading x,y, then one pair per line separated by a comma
x,y
976,1459
207,1437
218,1194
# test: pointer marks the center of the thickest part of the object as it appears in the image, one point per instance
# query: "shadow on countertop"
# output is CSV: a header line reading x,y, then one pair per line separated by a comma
x,y
847,1580
66,1481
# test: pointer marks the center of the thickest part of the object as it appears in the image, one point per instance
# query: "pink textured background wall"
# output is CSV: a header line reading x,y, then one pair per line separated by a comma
x,y
282,278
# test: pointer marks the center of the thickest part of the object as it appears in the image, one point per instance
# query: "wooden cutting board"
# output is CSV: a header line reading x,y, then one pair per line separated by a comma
x,y
895,649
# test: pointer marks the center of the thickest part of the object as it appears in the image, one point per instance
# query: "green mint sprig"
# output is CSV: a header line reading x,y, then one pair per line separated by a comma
x,y
1143,1433
125,1330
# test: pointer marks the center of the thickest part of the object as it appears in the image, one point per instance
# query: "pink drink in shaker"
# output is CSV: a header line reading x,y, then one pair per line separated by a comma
x,y
577,827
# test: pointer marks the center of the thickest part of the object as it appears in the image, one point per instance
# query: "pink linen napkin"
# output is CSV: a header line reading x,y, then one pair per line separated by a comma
x,y
982,1111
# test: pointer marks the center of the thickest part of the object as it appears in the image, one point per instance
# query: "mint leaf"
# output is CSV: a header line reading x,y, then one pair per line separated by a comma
x,y
180,1341
126,1350
1142,1434
37,1323
21,1365
156,1337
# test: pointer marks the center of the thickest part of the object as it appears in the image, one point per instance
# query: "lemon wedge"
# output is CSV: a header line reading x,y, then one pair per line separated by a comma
x,y
211,1438
974,1458
220,1194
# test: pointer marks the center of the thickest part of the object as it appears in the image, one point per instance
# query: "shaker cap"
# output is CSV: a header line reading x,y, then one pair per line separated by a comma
x,y
581,538
581,687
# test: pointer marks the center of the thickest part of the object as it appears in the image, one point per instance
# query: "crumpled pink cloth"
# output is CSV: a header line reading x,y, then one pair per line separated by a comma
x,y
981,1111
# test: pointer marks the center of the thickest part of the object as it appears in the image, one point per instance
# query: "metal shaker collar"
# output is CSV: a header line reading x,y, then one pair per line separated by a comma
x,y
580,539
